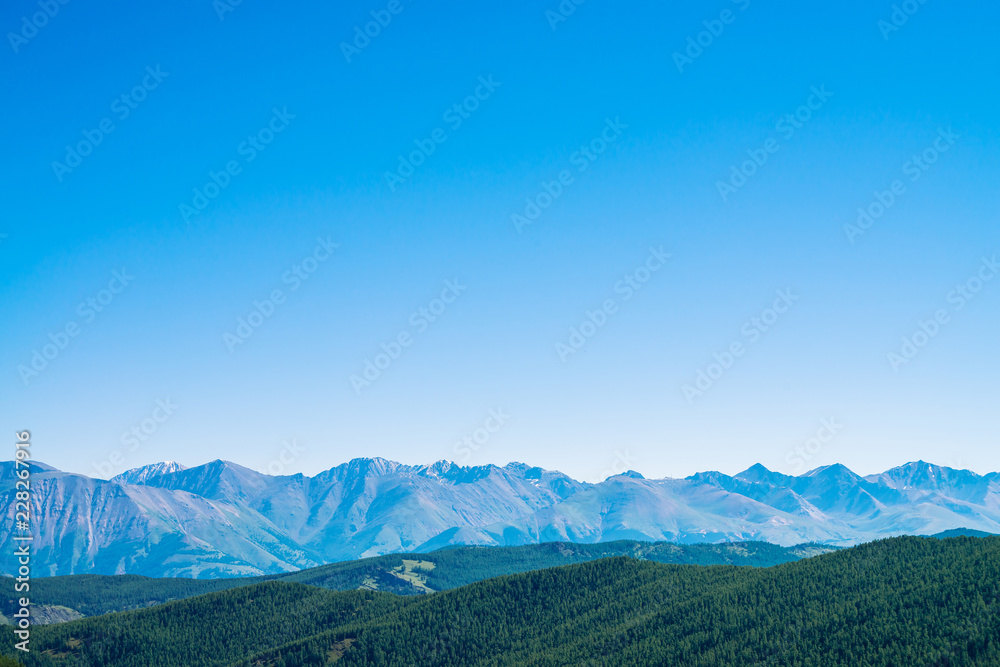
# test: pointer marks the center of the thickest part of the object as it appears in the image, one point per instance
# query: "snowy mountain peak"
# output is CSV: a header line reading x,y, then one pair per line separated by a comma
x,y
757,473
837,470
141,475
370,467
927,477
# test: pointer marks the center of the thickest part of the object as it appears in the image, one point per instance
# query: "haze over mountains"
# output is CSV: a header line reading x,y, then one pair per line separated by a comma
x,y
221,519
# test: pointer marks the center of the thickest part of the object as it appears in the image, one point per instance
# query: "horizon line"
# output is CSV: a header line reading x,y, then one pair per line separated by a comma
x,y
807,473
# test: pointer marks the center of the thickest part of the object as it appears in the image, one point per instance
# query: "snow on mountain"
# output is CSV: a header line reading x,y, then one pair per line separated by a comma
x,y
627,507
221,519
143,474
361,508
84,525
915,479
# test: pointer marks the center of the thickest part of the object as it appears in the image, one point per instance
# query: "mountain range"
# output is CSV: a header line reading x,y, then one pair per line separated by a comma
x,y
221,519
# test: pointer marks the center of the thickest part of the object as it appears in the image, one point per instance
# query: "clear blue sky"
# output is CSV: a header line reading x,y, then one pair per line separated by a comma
x,y
673,129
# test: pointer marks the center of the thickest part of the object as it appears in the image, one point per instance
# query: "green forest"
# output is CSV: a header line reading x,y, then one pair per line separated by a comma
x,y
93,595
902,601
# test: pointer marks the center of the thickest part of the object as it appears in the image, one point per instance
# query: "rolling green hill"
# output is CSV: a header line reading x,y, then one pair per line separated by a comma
x,y
212,629
402,574
94,594
904,601
962,532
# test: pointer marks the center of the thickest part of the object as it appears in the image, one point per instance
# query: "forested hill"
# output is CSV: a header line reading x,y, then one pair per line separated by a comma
x,y
403,574
902,601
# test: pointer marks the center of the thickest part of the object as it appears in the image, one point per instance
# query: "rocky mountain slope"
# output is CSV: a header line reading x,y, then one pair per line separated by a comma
x,y
221,519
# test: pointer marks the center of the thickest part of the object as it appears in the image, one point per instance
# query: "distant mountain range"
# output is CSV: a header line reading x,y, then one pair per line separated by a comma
x,y
221,519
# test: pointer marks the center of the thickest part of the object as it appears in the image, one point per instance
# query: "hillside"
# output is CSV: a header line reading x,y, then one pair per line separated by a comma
x,y
901,601
213,629
962,532
402,574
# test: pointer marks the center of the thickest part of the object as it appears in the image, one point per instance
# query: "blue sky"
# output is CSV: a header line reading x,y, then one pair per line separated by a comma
x,y
597,108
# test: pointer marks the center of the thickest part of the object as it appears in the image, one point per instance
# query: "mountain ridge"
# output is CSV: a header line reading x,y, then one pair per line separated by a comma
x,y
223,519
